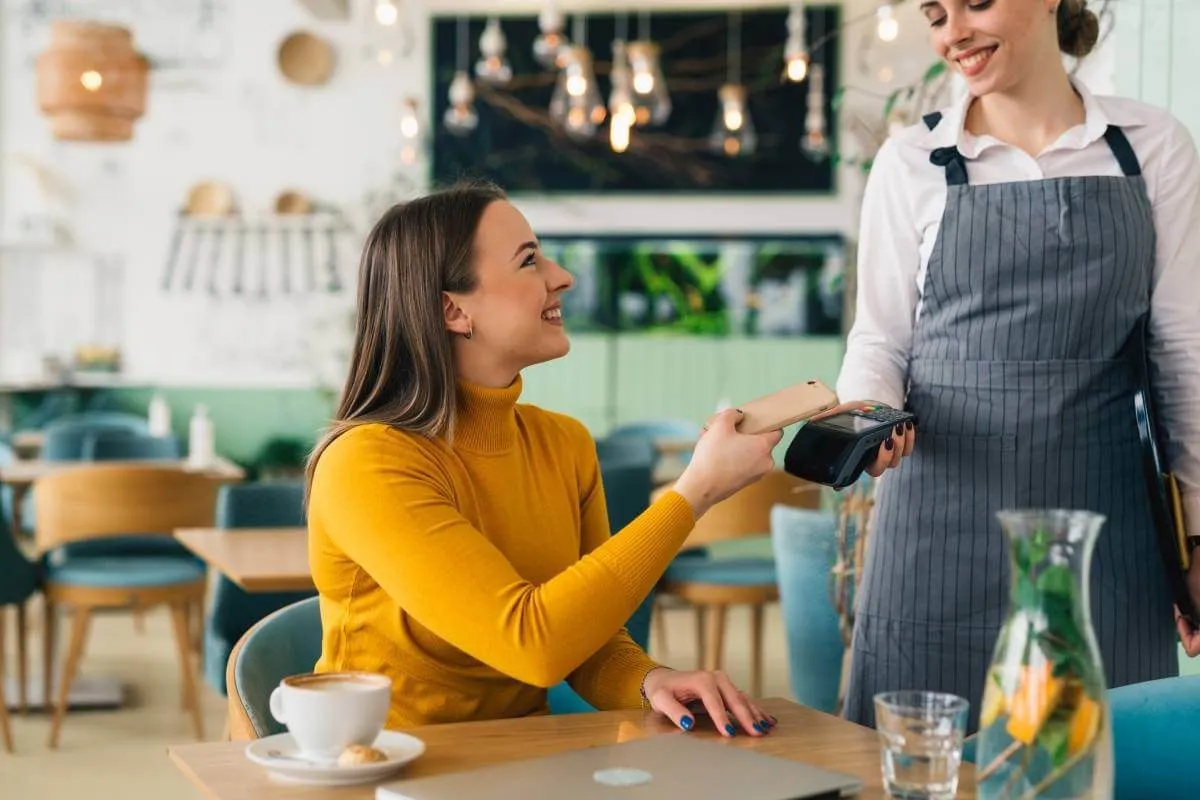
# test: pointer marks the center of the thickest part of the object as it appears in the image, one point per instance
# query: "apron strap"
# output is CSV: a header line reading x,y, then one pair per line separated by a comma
x,y
1123,151
948,157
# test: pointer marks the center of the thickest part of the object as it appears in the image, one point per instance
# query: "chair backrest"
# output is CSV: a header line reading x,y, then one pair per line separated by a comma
x,y
1154,727
65,436
627,487
656,429
748,512
278,504
118,445
626,450
288,642
803,541
95,501
19,577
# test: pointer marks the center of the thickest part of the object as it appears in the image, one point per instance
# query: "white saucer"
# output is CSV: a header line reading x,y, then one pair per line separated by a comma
x,y
399,747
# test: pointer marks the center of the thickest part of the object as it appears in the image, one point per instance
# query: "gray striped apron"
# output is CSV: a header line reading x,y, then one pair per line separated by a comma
x,y
1023,400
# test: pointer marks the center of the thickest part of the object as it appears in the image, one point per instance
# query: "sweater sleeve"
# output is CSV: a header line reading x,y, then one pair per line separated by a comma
x,y
393,513
612,678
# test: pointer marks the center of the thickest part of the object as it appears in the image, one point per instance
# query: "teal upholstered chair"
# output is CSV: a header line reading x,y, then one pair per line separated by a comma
x,y
19,581
119,445
803,541
285,642
64,437
234,610
627,487
1154,738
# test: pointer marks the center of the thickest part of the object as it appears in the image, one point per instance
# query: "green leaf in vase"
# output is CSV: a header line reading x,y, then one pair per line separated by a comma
x,y
1056,580
935,69
1053,738
1039,546
1027,597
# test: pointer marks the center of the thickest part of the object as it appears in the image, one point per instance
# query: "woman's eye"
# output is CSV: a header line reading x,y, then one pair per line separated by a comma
x,y
530,260
980,6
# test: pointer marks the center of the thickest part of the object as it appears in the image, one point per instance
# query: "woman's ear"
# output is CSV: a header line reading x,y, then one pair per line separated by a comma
x,y
457,320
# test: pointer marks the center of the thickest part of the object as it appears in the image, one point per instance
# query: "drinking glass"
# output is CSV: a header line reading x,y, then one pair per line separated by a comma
x,y
921,739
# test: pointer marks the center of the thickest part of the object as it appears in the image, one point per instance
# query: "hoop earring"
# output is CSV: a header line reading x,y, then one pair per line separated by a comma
x,y
470,331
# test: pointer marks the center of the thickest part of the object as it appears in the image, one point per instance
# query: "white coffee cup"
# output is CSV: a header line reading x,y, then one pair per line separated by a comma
x,y
326,712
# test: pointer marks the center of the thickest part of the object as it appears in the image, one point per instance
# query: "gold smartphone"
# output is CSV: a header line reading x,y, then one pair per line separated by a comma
x,y
786,407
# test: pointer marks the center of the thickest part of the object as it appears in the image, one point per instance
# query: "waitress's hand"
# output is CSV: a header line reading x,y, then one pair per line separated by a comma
x,y
893,450
1189,636
671,692
725,461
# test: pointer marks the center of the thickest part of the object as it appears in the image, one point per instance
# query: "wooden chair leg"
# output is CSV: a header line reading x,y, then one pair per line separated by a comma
x,y
81,620
179,616
197,628
49,648
756,650
658,616
714,636
5,731
139,622
699,611
22,660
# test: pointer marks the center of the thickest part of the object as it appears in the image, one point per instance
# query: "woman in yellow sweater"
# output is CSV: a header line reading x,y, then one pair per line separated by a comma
x,y
458,539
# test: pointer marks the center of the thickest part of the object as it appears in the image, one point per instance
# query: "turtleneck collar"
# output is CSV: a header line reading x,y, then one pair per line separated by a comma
x,y
487,417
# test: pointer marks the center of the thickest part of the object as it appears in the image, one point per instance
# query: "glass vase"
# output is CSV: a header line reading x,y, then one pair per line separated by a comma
x,y
1044,729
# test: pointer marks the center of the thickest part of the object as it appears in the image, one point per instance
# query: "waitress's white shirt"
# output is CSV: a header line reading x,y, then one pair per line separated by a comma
x,y
902,210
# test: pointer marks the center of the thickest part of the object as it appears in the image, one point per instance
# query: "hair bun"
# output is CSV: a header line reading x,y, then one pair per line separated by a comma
x,y
1078,28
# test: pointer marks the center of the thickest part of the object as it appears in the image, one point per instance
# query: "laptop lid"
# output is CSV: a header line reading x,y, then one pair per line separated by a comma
x,y
676,765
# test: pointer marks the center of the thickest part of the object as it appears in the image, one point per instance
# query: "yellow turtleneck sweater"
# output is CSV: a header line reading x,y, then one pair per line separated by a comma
x,y
479,574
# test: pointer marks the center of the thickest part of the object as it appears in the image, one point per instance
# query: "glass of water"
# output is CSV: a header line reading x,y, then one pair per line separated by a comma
x,y
921,738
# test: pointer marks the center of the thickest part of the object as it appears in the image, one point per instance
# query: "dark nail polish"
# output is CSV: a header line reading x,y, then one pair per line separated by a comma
x,y
766,723
899,429
729,729
758,727
686,723
908,425
888,445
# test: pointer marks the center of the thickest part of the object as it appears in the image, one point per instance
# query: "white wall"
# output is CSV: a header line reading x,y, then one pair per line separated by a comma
x,y
1153,41
238,121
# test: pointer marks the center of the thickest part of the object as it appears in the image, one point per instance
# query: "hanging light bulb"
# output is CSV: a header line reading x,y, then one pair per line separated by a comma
x,y
652,101
550,40
815,143
410,131
733,135
386,12
622,115
887,27
576,103
795,54
460,117
492,66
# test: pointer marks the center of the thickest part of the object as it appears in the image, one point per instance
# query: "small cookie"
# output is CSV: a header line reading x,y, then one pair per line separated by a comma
x,y
360,754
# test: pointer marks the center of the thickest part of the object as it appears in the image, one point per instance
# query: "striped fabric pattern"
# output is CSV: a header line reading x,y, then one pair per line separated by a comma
x,y
1023,400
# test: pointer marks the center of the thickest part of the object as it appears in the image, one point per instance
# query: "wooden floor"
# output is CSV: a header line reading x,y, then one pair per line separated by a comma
x,y
102,753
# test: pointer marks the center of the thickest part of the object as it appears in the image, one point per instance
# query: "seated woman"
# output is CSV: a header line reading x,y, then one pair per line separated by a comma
x,y
458,539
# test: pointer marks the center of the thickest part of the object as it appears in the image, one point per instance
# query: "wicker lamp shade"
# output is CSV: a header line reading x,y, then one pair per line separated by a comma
x,y
91,83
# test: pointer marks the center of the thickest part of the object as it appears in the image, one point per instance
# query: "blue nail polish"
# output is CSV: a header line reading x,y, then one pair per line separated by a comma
x,y
758,727
686,723
766,723
729,729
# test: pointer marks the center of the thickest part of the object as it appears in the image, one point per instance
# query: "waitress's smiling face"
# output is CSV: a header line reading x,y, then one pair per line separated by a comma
x,y
994,44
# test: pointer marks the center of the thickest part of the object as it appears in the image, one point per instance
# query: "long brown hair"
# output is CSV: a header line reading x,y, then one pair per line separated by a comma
x,y
402,366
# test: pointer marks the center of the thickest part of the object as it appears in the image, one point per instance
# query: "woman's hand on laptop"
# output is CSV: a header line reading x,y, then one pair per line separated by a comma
x,y
671,692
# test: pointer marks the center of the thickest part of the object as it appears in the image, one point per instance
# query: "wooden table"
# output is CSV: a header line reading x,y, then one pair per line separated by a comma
x,y
256,559
22,474
222,771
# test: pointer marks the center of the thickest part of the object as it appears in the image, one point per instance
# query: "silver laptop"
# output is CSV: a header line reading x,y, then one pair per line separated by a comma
x,y
677,766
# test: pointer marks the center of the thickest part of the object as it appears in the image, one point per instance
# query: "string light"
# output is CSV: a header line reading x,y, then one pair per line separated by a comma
x,y
795,54
386,12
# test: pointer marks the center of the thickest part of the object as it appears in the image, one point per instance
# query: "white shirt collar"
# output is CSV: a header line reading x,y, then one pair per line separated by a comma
x,y
1099,113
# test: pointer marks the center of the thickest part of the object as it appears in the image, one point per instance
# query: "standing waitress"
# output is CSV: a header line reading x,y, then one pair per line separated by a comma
x,y
1010,244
